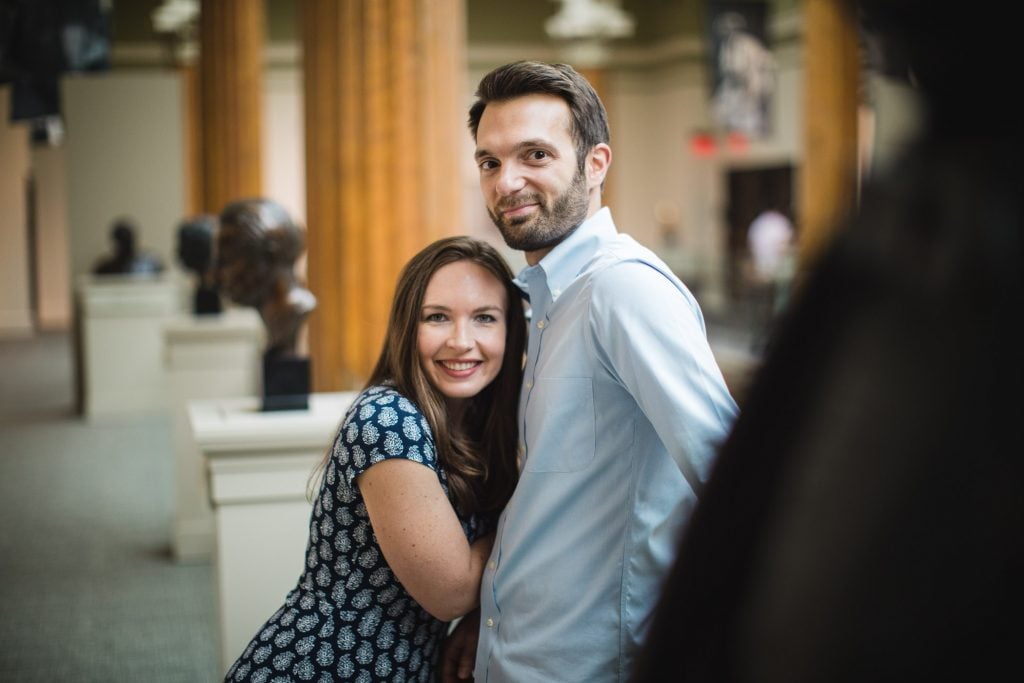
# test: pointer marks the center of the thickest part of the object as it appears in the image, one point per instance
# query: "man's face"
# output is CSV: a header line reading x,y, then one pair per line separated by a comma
x,y
529,175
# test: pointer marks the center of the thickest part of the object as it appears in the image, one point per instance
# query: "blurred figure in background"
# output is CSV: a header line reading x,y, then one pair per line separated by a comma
x,y
864,518
126,258
770,242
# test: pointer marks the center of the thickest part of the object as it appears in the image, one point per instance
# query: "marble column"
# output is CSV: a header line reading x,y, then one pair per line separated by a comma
x,y
828,178
231,36
385,128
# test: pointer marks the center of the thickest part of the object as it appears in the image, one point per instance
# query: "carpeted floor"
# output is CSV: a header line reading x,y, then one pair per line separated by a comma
x,y
88,591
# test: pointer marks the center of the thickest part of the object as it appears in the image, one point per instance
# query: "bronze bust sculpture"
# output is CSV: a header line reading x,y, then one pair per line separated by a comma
x,y
195,253
126,258
257,246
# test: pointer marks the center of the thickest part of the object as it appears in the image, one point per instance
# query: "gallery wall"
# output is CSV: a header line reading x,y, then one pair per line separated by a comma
x,y
123,155
124,158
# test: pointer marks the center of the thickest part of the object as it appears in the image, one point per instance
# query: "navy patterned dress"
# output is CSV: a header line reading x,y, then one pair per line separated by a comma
x,y
349,619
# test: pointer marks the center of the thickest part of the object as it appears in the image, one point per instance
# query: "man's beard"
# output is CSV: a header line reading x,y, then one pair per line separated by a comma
x,y
548,225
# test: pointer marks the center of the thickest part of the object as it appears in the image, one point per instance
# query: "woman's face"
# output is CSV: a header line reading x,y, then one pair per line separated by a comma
x,y
461,331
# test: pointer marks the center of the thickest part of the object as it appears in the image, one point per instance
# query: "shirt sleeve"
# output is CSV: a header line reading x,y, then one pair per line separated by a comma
x,y
382,426
648,334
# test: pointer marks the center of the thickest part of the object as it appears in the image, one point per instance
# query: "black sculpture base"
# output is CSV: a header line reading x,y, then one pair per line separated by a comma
x,y
206,301
285,383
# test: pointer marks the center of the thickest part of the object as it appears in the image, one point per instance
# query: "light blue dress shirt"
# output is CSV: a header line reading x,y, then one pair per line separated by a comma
x,y
622,408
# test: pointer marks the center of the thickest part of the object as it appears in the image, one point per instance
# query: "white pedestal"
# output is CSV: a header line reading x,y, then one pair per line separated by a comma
x,y
259,466
122,342
209,356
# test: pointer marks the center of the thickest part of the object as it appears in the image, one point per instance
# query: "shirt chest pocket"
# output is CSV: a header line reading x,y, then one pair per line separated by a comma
x,y
560,425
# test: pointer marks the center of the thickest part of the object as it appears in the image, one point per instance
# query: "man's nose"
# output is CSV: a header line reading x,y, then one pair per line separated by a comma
x,y
510,179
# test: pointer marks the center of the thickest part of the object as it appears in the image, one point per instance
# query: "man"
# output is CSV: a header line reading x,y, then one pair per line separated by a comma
x,y
622,403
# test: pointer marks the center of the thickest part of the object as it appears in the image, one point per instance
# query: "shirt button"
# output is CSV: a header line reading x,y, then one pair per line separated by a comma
x,y
540,325
492,565
490,622
529,384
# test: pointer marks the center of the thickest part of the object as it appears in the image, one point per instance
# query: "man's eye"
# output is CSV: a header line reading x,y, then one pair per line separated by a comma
x,y
488,165
538,155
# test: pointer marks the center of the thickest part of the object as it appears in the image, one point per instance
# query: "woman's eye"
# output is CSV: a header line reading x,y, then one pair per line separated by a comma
x,y
486,318
434,318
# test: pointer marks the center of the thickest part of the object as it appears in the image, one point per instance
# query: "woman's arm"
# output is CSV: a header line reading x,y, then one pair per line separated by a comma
x,y
422,539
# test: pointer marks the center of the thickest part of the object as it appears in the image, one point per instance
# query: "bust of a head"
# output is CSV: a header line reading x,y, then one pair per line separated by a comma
x,y
195,243
257,246
195,253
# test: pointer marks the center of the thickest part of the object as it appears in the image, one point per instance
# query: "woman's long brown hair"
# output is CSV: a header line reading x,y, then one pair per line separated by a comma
x,y
478,455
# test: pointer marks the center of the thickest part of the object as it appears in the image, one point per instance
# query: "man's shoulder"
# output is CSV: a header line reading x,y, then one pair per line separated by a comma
x,y
623,265
627,279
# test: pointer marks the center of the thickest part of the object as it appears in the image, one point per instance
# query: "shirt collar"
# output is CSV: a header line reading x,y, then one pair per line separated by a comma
x,y
562,264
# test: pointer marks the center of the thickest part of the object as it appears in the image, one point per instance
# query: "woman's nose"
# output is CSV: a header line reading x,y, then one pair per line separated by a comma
x,y
459,338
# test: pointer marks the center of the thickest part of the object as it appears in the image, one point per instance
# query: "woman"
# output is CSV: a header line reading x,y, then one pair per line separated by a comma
x,y
410,492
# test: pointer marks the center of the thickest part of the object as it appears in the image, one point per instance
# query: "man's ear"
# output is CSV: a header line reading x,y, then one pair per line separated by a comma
x,y
598,161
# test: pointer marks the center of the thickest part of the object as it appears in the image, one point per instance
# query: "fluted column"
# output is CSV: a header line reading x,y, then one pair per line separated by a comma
x,y
385,120
192,117
828,179
231,36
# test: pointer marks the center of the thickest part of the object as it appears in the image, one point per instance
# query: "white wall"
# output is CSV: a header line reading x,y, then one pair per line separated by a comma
x,y
284,153
125,157
15,311
653,115
654,112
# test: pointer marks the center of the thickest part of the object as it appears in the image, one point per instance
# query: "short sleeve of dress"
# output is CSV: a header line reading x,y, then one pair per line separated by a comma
x,y
382,424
